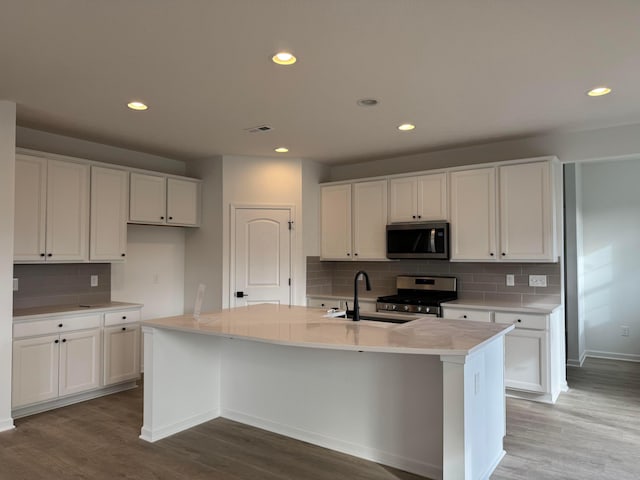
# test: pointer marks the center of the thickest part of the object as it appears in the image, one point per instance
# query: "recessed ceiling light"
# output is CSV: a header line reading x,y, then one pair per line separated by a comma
x,y
598,91
405,127
284,58
137,106
367,102
282,149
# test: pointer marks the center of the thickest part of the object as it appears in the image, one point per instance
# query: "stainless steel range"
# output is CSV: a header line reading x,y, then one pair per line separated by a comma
x,y
419,295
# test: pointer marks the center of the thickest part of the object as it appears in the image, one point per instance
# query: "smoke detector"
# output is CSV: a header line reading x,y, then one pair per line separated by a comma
x,y
259,129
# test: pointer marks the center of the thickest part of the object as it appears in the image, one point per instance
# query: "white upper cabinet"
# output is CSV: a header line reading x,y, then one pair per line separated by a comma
x,y
370,220
160,200
526,216
30,209
520,227
109,207
353,221
335,223
182,201
421,198
473,214
148,199
51,210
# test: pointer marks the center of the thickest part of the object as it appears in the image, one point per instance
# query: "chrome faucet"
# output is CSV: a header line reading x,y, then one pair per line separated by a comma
x,y
356,307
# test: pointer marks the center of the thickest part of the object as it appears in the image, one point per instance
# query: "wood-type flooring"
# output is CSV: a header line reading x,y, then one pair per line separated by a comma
x,y
593,432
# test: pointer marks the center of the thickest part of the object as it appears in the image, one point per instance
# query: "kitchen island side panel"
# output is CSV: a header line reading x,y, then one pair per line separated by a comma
x,y
384,407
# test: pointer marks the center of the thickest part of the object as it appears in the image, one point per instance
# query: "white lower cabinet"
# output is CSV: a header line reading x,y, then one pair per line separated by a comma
x,y
59,360
366,304
534,351
121,353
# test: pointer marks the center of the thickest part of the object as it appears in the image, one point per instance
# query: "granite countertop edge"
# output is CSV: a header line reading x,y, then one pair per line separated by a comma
x,y
32,313
543,308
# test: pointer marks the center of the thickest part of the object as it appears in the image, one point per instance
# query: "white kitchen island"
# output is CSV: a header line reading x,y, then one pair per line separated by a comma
x,y
425,396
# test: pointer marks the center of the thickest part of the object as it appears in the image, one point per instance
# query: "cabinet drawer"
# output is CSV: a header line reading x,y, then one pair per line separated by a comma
x,y
460,314
323,303
55,325
523,320
125,316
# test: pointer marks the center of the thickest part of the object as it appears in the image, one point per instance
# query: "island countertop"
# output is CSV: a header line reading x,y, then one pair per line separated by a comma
x,y
310,327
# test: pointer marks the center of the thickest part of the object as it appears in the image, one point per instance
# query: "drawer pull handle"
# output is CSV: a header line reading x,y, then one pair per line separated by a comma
x,y
124,317
64,340
519,321
124,254
464,316
124,328
42,254
60,325
56,341
49,254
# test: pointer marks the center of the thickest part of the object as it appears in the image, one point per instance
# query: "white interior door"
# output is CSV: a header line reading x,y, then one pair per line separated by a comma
x,y
262,259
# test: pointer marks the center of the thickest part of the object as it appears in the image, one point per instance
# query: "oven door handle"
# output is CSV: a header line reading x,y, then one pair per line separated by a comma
x,y
433,240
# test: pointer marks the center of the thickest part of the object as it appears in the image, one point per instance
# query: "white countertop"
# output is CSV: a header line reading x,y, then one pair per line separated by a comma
x,y
346,296
309,327
503,306
33,313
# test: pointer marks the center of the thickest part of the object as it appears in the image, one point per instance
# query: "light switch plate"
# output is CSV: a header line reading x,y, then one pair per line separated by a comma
x,y
15,284
94,280
511,280
537,280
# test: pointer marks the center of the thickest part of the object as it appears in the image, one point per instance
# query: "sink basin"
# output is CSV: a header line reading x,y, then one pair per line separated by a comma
x,y
383,317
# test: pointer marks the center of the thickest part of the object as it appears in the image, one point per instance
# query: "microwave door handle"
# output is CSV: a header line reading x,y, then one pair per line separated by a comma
x,y
433,240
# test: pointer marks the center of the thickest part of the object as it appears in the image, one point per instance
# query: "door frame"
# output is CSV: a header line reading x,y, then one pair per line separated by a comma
x,y
293,251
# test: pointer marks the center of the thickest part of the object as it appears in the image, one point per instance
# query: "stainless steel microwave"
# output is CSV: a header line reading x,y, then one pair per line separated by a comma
x,y
418,240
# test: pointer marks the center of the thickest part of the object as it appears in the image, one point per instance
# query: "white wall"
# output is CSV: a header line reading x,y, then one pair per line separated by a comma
x,y
264,181
154,271
611,242
598,144
7,175
75,147
203,255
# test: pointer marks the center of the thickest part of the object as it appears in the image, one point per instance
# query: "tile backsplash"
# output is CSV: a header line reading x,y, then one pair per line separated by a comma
x,y
476,281
61,284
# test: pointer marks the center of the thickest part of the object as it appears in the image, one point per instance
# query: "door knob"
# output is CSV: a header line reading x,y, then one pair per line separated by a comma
x,y
241,294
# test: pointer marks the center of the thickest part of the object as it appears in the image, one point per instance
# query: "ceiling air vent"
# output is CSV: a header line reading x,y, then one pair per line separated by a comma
x,y
259,129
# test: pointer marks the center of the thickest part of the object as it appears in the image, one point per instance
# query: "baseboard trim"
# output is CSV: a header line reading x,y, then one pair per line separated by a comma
x,y
626,357
532,396
71,399
487,474
6,424
153,435
410,465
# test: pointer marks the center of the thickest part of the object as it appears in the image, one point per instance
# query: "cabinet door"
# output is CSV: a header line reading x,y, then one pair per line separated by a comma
x,y
526,217
403,200
30,209
35,370
473,218
67,211
148,200
335,222
121,353
526,360
109,202
79,361
182,202
370,220
432,197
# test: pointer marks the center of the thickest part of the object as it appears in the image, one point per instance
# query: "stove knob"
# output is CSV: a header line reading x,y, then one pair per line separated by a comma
x,y
419,309
393,307
406,308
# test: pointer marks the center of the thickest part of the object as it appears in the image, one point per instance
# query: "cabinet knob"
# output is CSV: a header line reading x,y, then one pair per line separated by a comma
x,y
491,254
503,254
49,254
170,218
42,254
355,254
56,341
161,218
419,216
348,254
124,328
64,340
519,320
464,316
60,325
413,216
124,254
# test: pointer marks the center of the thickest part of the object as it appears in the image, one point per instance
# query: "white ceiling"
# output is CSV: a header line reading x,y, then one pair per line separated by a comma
x,y
464,71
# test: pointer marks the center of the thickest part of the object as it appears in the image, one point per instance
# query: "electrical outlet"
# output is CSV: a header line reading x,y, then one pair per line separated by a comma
x,y
15,284
537,280
624,330
511,280
94,280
